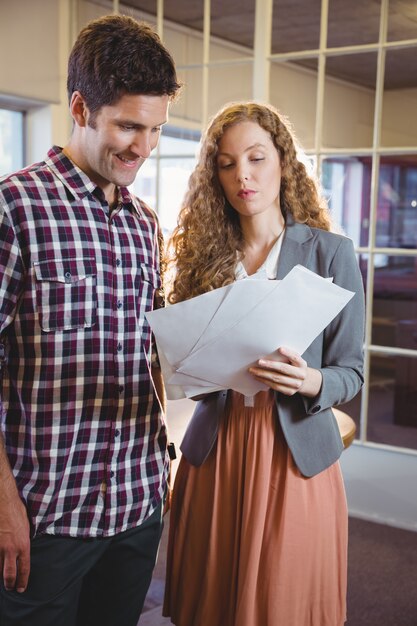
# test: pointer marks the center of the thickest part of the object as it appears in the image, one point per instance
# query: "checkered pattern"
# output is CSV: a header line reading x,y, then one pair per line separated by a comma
x,y
82,425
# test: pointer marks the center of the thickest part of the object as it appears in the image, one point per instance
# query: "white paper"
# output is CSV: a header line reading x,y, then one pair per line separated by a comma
x,y
209,342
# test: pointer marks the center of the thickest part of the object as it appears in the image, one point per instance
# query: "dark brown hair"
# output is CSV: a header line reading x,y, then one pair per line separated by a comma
x,y
116,55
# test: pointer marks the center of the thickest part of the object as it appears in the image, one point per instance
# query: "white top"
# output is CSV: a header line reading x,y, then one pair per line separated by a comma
x,y
269,267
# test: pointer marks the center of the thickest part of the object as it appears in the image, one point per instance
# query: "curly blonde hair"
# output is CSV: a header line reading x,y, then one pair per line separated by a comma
x,y
207,241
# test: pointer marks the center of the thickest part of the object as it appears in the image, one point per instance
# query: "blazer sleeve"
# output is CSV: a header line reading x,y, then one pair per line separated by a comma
x,y
342,350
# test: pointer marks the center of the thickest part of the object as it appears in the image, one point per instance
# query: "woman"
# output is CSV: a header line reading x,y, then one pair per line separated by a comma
x,y
258,532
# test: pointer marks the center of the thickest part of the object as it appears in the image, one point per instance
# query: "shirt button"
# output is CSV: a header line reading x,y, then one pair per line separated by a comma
x,y
118,262
111,474
121,389
316,408
116,432
119,304
119,347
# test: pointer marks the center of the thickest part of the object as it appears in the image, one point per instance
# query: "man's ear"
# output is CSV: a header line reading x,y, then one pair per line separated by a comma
x,y
78,109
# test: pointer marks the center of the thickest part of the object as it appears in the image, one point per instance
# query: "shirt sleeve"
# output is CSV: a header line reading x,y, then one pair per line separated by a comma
x,y
11,281
159,301
12,271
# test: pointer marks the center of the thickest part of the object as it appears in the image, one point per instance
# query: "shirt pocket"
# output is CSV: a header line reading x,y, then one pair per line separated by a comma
x,y
66,293
149,282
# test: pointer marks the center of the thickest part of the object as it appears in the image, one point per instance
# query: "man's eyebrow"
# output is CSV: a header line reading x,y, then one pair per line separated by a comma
x,y
134,124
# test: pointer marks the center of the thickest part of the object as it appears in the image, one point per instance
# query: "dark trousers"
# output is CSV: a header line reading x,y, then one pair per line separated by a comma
x,y
86,582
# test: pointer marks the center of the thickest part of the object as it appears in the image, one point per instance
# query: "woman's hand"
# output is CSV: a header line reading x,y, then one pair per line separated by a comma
x,y
289,375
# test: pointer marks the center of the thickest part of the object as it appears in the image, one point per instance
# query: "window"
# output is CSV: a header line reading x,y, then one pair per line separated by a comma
x,y
162,180
11,141
348,83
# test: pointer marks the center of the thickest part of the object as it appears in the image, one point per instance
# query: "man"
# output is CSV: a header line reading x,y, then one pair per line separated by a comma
x,y
83,450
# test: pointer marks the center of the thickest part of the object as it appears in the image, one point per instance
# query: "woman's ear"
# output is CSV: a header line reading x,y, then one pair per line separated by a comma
x,y
78,109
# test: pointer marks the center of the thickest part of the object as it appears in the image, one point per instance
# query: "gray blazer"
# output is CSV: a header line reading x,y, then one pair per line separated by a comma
x,y
308,424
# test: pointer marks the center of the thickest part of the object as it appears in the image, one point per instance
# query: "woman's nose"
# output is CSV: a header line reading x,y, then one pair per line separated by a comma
x,y
242,174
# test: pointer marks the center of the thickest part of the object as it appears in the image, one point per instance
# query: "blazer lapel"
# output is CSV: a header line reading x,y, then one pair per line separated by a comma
x,y
296,249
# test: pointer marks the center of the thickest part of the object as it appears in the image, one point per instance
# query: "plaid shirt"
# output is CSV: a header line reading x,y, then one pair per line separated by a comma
x,y
82,425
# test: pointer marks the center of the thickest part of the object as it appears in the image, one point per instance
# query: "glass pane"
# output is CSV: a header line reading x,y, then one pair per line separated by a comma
x,y
349,101
189,104
149,6
185,46
142,10
233,21
11,141
392,416
399,119
397,202
174,175
229,83
347,185
395,301
353,23
187,12
291,87
178,141
402,22
295,25
226,51
237,34
144,185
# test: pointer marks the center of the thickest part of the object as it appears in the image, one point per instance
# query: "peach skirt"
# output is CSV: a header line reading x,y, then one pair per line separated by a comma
x,y
252,542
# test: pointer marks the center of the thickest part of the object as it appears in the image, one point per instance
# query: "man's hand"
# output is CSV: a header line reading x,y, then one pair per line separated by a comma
x,y
159,387
14,530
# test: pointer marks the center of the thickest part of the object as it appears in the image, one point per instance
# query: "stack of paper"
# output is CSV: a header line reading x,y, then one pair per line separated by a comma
x,y
208,343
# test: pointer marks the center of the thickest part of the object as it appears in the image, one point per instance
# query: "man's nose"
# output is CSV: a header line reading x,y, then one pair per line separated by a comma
x,y
142,145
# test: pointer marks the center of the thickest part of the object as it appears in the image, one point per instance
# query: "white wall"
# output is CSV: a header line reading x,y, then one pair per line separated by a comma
x,y
29,49
399,117
348,116
381,485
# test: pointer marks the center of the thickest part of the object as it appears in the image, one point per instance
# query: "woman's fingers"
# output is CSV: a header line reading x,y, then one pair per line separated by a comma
x,y
284,376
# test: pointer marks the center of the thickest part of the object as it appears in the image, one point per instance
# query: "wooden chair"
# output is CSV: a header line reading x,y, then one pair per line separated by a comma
x,y
347,426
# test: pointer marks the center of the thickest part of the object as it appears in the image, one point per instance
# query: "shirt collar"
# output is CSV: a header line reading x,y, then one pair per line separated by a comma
x,y
77,181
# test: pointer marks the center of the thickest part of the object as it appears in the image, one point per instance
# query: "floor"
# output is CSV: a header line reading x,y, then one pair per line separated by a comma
x,y
363,596
178,412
